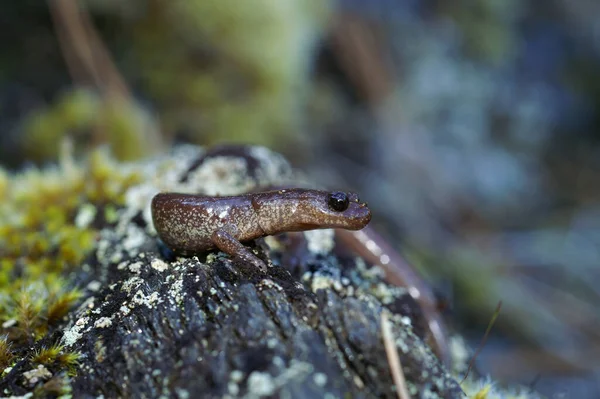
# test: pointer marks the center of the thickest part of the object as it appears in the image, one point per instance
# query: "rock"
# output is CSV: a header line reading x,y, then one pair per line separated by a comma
x,y
154,325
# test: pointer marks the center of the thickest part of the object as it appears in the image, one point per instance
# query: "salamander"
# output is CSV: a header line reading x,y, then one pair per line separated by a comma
x,y
190,224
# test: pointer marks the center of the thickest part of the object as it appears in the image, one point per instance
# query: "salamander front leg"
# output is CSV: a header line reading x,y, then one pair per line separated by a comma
x,y
231,246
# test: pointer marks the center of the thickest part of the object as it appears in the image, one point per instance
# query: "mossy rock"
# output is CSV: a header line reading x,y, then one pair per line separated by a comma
x,y
149,324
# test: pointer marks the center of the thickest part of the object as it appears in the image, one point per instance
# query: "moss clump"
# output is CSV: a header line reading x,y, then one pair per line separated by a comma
x,y
44,237
6,355
224,68
57,356
90,119
30,311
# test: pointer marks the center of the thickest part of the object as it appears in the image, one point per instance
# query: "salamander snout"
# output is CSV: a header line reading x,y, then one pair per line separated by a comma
x,y
345,210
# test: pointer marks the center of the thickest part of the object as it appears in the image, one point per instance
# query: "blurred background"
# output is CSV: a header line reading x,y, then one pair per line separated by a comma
x,y
470,127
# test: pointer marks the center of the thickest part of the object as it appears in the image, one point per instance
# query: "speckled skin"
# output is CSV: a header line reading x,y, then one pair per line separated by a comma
x,y
190,224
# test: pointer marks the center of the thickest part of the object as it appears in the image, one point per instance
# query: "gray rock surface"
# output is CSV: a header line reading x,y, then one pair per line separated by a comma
x,y
158,326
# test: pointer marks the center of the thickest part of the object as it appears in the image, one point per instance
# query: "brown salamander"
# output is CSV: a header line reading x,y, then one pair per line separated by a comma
x,y
190,224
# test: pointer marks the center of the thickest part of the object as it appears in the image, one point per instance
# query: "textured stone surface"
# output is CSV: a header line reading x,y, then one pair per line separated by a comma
x,y
154,325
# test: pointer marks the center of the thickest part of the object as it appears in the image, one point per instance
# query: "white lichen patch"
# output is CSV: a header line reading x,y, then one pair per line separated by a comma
x,y
38,374
401,344
103,246
176,291
103,322
320,282
165,171
148,300
275,171
116,257
358,382
369,273
320,241
306,277
94,286
211,257
237,375
459,352
320,379
85,216
235,378
325,282
233,389
337,286
224,175
135,267
132,283
137,198
261,384
268,283
296,371
384,293
350,291
72,335
159,265
182,393
134,238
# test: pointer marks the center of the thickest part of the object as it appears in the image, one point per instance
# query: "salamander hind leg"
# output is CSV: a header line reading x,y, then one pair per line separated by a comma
x,y
231,246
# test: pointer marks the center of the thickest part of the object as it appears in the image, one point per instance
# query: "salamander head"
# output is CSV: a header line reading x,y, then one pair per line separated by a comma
x,y
334,210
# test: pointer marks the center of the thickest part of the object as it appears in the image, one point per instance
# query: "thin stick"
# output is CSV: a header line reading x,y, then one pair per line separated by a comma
x,y
114,81
356,45
393,358
484,340
73,44
90,63
85,53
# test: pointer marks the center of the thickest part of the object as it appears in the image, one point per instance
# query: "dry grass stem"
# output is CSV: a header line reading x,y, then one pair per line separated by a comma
x,y
393,358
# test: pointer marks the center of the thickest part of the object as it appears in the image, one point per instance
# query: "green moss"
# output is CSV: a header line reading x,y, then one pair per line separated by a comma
x,y
57,356
88,120
47,355
6,355
224,69
41,242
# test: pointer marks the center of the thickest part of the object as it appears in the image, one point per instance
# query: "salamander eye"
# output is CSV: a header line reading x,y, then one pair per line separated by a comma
x,y
338,201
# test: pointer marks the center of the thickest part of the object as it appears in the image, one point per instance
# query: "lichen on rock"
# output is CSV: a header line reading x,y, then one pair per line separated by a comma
x,y
44,250
151,324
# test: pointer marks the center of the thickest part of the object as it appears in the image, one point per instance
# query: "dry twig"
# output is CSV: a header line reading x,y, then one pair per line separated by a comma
x,y
393,358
